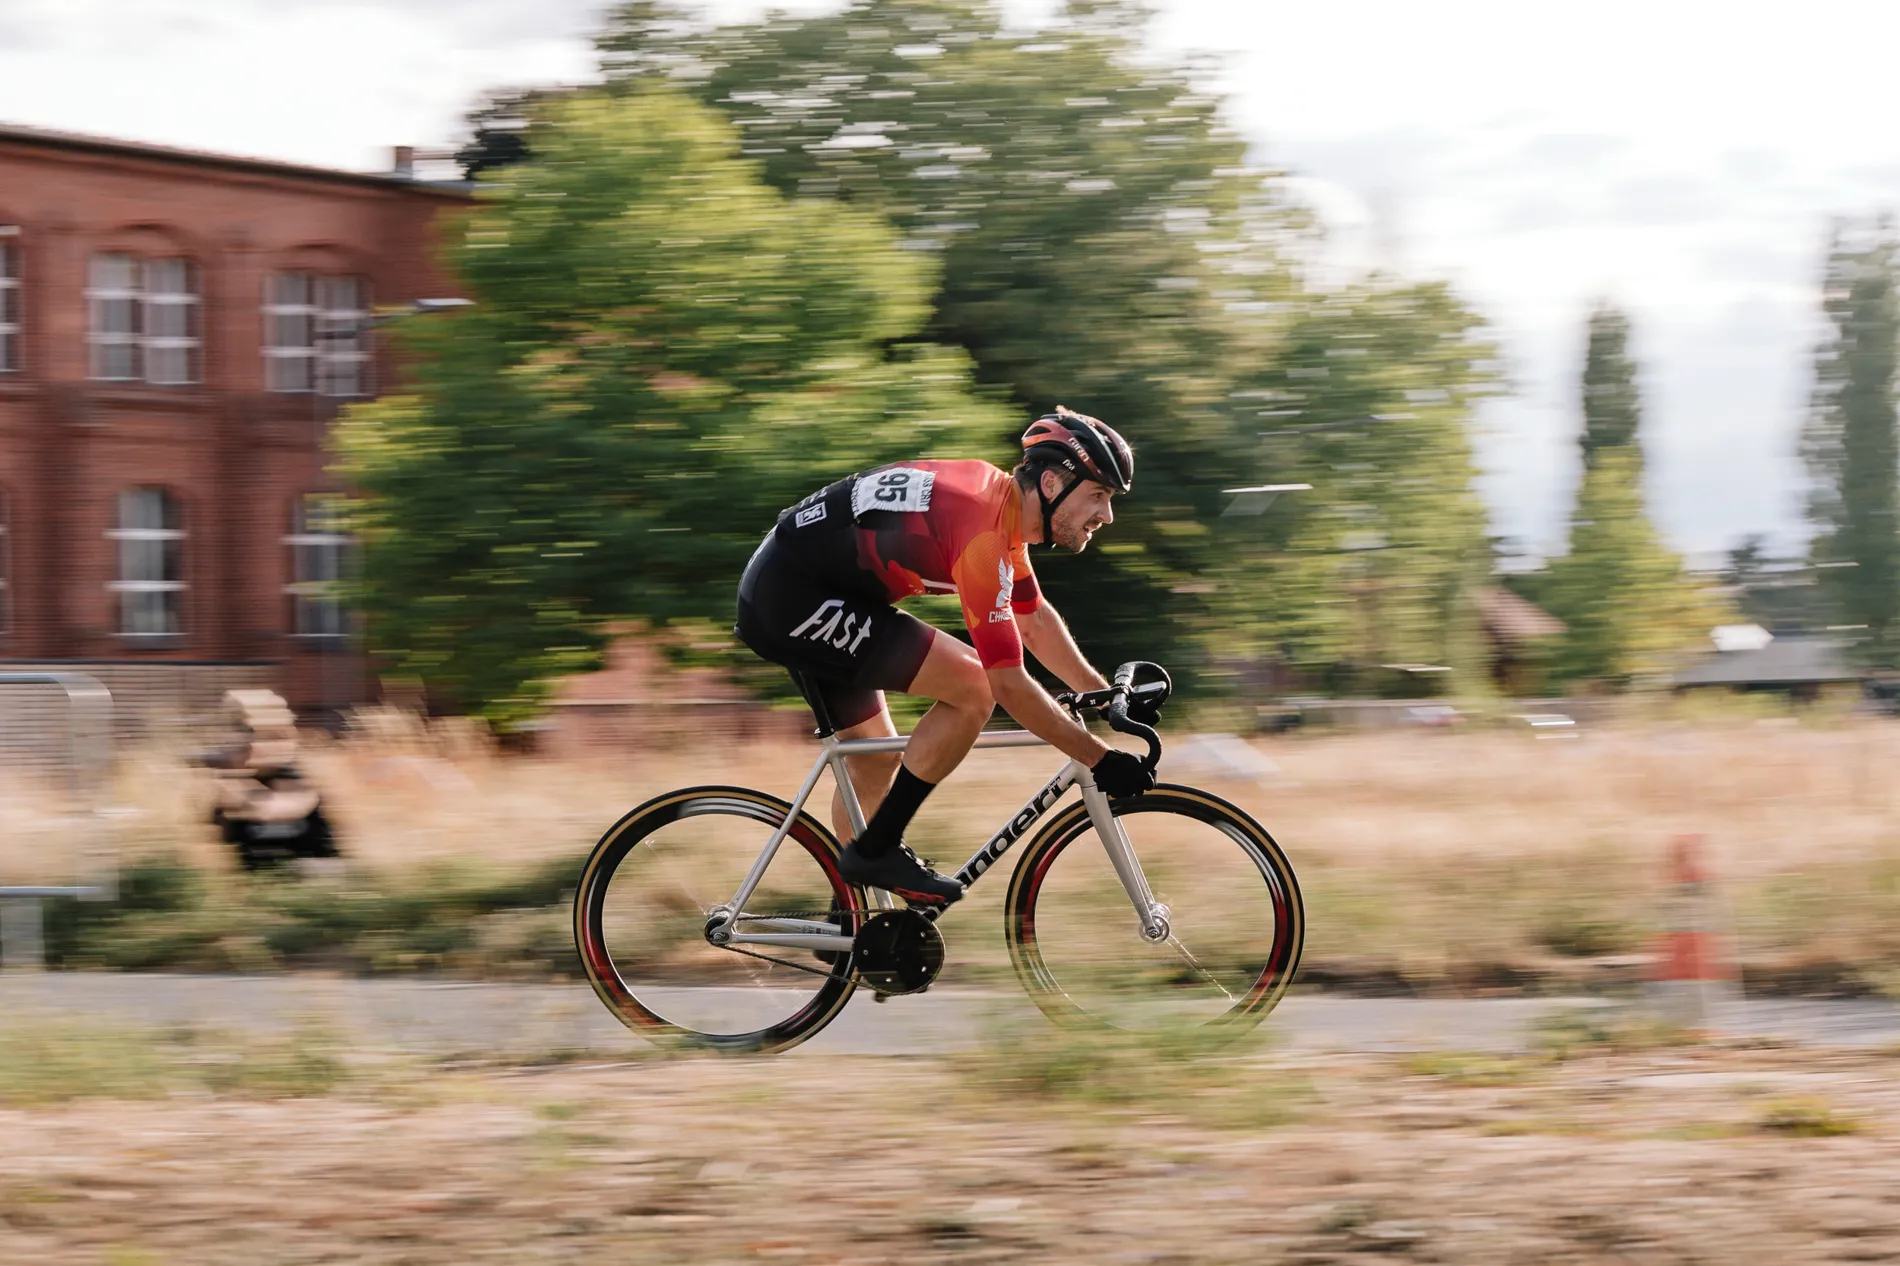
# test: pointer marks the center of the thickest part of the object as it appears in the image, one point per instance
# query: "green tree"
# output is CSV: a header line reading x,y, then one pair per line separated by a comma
x,y
1105,244
1776,593
1850,441
1612,405
1621,593
663,353
1094,217
1371,389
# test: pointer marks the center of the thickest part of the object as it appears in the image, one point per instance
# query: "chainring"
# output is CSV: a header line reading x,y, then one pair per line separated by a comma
x,y
899,951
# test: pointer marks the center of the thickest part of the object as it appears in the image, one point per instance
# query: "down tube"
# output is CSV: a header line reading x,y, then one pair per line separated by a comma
x,y
1013,830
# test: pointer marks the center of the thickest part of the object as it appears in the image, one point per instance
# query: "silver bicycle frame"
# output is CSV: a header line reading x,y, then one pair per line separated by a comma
x,y
795,933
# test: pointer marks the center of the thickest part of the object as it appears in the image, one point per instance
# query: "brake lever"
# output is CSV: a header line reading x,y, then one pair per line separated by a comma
x,y
1116,715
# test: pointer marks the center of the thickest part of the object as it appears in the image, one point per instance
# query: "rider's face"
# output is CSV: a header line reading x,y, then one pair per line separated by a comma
x,y
1080,514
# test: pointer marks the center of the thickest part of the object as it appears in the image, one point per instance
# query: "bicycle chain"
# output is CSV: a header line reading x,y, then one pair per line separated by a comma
x,y
782,962
792,914
789,914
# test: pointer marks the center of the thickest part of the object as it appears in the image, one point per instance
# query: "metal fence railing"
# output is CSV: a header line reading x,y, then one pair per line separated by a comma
x,y
87,764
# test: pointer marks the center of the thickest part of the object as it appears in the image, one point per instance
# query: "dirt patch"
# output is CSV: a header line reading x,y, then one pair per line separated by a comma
x,y
1677,1155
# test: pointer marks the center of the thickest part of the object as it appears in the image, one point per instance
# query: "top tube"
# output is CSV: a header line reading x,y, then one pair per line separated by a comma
x,y
988,738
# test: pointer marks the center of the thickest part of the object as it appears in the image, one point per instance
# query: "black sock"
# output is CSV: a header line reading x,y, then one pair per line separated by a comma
x,y
885,830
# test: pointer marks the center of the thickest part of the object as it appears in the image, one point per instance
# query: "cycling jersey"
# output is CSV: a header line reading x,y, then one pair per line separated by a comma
x,y
924,527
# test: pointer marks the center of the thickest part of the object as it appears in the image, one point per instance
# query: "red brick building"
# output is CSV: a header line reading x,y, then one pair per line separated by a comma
x,y
177,332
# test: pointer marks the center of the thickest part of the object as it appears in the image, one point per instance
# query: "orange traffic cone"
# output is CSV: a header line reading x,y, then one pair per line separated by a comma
x,y
1693,973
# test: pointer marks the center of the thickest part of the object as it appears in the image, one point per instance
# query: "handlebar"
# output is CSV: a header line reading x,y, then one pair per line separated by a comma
x,y
1113,703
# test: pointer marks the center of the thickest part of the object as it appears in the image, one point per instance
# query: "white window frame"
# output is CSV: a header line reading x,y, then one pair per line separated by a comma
x,y
145,301
342,335
124,586
153,302
336,357
282,359
10,297
98,339
316,608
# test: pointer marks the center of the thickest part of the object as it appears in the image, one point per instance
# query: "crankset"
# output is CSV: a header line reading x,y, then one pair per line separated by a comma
x,y
899,951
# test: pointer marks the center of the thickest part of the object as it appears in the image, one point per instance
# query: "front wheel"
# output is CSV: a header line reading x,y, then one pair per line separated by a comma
x,y
1235,923
659,879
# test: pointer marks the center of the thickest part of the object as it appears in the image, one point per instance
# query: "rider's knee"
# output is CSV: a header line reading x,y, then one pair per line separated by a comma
x,y
971,691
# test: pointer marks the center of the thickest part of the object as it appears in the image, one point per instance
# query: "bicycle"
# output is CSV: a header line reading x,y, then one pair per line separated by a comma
x,y
683,938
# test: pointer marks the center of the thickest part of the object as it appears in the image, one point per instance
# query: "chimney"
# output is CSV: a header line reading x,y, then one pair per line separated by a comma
x,y
405,164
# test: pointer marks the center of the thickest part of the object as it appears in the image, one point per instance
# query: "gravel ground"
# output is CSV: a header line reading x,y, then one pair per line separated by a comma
x,y
1019,1153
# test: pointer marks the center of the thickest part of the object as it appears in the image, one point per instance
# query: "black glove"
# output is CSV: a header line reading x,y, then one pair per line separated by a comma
x,y
1120,774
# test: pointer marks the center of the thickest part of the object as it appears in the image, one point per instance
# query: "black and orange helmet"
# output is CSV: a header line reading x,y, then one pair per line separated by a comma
x,y
1082,445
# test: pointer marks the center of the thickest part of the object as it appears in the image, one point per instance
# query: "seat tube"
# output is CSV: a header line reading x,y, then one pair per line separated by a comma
x,y
757,873
841,773
1121,855
854,813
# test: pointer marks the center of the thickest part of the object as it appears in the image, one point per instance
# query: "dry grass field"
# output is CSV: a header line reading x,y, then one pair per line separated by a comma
x,y
1444,861
1034,1150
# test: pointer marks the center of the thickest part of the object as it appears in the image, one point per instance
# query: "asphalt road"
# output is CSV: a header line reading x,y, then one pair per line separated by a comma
x,y
535,1020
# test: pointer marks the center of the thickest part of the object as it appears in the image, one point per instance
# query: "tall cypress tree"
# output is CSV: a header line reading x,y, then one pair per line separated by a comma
x,y
1619,590
1851,441
1612,408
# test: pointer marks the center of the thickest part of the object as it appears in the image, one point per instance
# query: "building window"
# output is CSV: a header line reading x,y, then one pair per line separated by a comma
x,y
10,305
151,584
315,334
143,320
317,544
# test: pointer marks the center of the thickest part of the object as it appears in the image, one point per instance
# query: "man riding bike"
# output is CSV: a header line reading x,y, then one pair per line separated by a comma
x,y
817,597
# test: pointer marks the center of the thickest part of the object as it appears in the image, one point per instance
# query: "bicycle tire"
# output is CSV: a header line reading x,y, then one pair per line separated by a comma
x,y
1030,896
658,1016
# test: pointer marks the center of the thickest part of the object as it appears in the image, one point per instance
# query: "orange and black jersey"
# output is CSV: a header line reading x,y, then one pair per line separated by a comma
x,y
924,527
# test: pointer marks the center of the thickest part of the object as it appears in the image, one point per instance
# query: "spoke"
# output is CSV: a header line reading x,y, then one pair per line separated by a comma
x,y
1195,963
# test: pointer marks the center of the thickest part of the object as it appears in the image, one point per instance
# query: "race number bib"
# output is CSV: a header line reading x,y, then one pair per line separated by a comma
x,y
902,488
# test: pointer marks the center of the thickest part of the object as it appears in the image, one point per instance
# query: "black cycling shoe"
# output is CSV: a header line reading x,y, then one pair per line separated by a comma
x,y
899,872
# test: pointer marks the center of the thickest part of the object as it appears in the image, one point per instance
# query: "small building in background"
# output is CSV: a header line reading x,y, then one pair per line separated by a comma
x,y
1520,635
1748,658
178,330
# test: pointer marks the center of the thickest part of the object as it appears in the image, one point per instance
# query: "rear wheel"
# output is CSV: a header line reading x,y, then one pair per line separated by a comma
x,y
657,882
1235,923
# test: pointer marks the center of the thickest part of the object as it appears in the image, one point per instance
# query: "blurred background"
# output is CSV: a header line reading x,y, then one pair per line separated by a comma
x,y
392,391
1572,345
1573,350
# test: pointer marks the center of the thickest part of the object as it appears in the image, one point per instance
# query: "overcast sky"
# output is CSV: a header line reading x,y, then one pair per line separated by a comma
x,y
1681,157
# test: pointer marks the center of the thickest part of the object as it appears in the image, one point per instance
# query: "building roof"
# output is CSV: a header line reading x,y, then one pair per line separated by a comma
x,y
1513,620
48,139
1786,661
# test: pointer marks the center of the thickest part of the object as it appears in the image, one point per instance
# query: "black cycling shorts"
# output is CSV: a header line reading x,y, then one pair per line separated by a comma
x,y
850,646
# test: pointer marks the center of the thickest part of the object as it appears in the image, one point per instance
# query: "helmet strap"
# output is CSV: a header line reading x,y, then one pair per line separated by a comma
x,y
1049,505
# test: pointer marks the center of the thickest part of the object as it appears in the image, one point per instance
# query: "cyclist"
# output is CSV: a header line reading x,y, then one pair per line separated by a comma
x,y
817,597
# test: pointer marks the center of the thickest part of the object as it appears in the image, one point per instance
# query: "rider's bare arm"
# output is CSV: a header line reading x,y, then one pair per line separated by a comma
x,y
1046,636
1032,708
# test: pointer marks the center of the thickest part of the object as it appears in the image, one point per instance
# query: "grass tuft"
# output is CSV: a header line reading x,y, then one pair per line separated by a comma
x,y
55,1059
1577,1031
1190,1073
1806,1116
